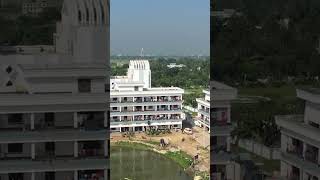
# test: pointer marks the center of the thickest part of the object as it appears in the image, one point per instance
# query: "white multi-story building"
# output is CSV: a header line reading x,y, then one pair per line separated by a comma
x,y
53,111
222,167
136,106
300,139
203,116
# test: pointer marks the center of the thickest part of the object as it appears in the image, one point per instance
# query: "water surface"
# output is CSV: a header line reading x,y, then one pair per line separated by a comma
x,y
137,164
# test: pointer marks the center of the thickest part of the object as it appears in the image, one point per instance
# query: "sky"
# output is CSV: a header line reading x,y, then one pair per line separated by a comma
x,y
160,27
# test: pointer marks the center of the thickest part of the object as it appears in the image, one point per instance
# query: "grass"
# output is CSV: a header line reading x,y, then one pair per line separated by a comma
x,y
131,145
152,142
182,158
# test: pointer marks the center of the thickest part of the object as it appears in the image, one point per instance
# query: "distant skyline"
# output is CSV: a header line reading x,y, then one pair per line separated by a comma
x,y
160,27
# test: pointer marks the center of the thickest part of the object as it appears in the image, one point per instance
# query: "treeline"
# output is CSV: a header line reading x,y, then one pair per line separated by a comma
x,y
194,74
272,38
194,77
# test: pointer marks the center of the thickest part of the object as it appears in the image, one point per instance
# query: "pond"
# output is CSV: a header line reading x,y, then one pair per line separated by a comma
x,y
135,164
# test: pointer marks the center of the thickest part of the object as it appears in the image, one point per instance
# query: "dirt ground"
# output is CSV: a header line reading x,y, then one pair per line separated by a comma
x,y
198,143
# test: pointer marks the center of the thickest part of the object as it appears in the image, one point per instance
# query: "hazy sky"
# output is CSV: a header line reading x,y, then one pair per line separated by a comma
x,y
161,27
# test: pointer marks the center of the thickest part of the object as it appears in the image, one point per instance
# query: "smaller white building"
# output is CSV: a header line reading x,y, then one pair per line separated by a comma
x,y
174,65
203,117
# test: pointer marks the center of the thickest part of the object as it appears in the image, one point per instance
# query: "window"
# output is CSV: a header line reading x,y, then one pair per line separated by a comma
x,y
14,119
95,15
79,16
49,176
84,85
136,88
15,176
15,148
313,124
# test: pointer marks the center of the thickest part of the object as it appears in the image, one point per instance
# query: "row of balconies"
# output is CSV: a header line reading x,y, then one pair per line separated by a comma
x,y
304,151
146,108
45,121
146,99
146,118
57,175
56,150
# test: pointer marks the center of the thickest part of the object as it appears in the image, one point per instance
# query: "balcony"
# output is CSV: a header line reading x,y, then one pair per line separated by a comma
x,y
311,154
17,166
218,148
91,174
91,149
301,163
220,123
53,135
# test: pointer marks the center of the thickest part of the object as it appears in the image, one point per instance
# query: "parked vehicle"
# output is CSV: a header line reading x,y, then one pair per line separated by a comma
x,y
187,130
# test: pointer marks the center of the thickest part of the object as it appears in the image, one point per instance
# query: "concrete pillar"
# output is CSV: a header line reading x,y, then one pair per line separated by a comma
x,y
319,156
75,120
75,149
75,175
304,149
33,151
32,121
229,115
106,148
33,176
228,143
106,119
284,169
106,174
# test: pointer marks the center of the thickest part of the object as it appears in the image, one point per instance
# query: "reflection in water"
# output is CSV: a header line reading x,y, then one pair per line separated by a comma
x,y
143,165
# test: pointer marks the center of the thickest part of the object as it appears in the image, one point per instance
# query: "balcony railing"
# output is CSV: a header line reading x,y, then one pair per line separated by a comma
x,y
298,151
220,123
311,156
219,148
91,152
294,176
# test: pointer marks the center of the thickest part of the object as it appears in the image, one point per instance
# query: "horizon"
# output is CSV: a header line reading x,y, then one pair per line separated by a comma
x,y
187,35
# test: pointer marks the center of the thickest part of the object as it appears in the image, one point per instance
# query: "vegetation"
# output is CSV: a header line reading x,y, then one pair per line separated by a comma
x,y
182,158
135,145
266,49
156,132
271,39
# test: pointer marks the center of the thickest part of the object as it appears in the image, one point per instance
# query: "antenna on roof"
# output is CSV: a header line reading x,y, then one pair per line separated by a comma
x,y
141,53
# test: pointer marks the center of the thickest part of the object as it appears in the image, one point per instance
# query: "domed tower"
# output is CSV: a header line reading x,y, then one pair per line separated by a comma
x,y
139,70
84,30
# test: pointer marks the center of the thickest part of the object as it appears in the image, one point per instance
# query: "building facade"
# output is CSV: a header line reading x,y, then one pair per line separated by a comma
x,y
35,7
222,167
53,112
300,135
136,106
203,116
